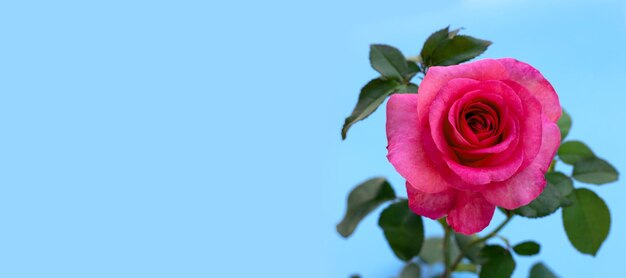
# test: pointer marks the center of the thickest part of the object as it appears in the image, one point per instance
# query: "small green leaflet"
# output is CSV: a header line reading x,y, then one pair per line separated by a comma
x,y
403,230
527,248
571,152
499,264
444,48
565,124
389,62
595,171
372,96
362,200
587,221
539,270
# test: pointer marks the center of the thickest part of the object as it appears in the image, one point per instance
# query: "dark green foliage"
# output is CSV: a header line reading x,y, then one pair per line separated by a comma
x,y
444,48
595,171
572,151
587,221
362,200
389,61
403,230
565,124
539,270
528,248
499,262
372,96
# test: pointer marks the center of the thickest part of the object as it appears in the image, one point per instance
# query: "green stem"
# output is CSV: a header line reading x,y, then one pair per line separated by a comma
x,y
446,246
459,258
506,241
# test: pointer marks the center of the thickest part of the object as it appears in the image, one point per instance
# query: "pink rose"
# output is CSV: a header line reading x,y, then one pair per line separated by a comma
x,y
476,136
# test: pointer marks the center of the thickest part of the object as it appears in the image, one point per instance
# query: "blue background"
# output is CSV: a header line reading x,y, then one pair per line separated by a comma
x,y
201,138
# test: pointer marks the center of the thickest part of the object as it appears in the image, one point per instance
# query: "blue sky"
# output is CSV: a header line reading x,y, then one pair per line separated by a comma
x,y
201,138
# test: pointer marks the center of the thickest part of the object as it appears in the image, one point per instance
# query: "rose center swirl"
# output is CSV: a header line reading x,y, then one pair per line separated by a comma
x,y
482,119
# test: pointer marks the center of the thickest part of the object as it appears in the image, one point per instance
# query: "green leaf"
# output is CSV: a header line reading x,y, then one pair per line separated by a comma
x,y
563,185
539,270
444,48
528,248
473,252
499,264
372,95
554,195
595,171
457,50
573,151
408,89
411,270
432,251
565,124
433,41
587,221
362,200
403,229
388,61
413,69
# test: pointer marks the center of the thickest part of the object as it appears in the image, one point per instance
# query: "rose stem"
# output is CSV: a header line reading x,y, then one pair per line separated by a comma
x,y
458,259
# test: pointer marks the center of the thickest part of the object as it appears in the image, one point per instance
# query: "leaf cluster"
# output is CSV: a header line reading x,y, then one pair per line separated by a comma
x,y
442,48
586,217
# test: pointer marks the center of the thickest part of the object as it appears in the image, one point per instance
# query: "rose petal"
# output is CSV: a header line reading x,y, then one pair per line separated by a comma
x,y
433,206
536,84
452,91
496,92
486,175
440,163
457,131
406,149
437,77
531,123
524,187
470,214
456,90
509,134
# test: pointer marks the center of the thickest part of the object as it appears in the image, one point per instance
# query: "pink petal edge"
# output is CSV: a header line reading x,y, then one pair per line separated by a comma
x,y
524,187
471,213
433,206
406,150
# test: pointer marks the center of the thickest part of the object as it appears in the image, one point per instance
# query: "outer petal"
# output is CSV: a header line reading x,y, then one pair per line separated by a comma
x,y
437,77
406,150
433,206
524,187
533,81
471,213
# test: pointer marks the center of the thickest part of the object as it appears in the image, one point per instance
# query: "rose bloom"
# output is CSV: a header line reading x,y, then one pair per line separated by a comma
x,y
476,136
